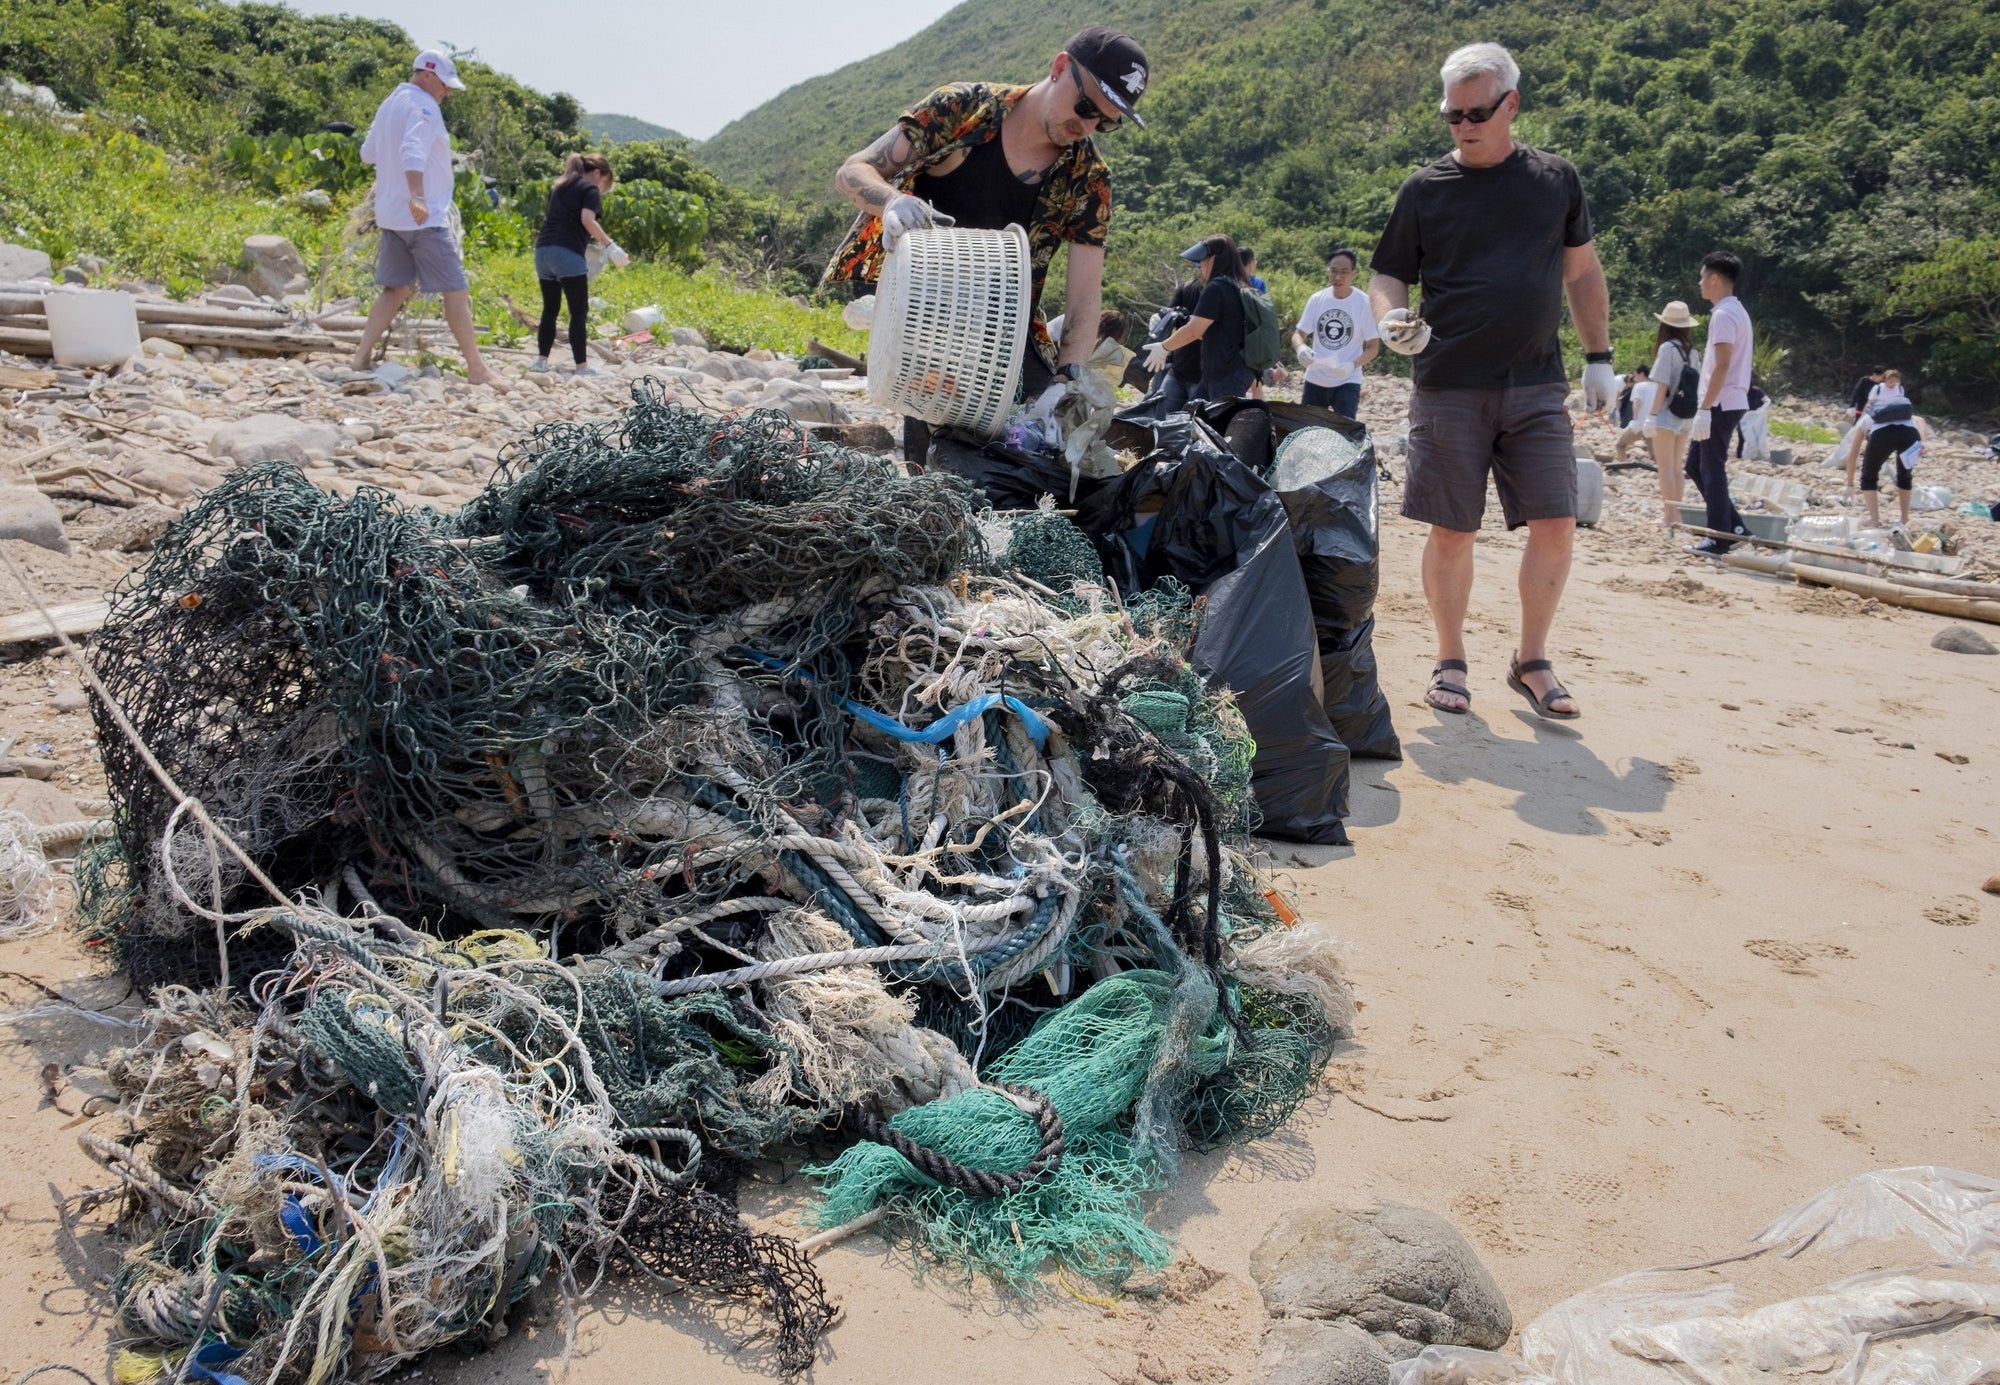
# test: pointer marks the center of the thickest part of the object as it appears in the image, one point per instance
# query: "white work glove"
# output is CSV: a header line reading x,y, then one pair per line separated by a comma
x,y
1305,350
1600,387
1156,357
1701,423
615,253
905,214
1044,407
1404,333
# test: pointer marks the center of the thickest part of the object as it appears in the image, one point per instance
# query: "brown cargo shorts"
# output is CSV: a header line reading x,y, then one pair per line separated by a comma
x,y
1522,435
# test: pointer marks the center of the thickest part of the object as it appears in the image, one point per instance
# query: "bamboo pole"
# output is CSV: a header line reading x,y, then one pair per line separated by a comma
x,y
1888,593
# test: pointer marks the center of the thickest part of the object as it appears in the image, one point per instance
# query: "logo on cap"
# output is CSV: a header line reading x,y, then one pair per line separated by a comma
x,y
1135,80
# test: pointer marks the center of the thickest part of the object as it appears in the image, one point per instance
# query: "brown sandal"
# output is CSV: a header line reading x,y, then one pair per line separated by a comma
x,y
1438,684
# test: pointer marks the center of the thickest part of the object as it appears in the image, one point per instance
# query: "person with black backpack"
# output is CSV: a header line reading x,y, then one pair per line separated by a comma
x,y
1677,367
1220,323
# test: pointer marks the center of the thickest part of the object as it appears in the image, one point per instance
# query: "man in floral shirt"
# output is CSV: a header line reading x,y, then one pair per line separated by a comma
x,y
987,156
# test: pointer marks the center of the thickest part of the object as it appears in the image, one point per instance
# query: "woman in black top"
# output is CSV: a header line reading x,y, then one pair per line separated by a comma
x,y
568,227
1218,324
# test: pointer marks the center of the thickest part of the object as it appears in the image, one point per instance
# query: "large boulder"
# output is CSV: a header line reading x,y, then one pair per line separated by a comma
x,y
1301,1352
45,805
19,262
28,515
275,437
804,400
1403,1275
273,266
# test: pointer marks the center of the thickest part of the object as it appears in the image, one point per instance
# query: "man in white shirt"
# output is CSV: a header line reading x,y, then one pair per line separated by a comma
x,y
1723,400
1335,337
411,151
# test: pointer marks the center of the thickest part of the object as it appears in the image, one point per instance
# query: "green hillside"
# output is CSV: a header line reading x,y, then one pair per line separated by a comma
x,y
1849,151
625,129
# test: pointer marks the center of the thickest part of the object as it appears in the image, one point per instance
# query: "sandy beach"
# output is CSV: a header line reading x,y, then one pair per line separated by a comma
x,y
1629,987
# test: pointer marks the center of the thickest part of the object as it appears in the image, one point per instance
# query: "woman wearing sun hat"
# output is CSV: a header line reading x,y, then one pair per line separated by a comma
x,y
1673,352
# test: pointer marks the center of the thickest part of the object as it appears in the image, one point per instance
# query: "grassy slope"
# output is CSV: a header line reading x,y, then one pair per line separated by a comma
x,y
96,189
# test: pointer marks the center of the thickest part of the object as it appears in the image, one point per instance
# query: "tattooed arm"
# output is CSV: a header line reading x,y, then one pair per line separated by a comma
x,y
864,178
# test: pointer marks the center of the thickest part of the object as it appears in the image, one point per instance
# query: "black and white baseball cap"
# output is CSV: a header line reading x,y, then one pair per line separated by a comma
x,y
1118,64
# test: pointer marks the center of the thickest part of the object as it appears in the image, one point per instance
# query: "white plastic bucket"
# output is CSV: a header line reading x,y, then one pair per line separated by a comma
x,y
91,327
951,320
1589,491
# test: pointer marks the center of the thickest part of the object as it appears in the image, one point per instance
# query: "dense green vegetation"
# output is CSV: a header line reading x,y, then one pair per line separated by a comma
x,y
624,129
1849,151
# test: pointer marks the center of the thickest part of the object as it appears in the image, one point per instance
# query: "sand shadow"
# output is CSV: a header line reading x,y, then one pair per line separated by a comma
x,y
1561,783
1372,801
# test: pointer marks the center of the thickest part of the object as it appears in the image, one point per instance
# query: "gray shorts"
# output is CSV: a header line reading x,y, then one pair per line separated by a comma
x,y
1522,435
424,257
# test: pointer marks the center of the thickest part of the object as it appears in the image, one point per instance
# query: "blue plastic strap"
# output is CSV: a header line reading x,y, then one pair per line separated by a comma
x,y
293,1214
937,731
206,1363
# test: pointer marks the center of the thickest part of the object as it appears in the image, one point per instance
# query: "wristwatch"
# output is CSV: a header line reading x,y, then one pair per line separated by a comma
x,y
1597,358
1069,371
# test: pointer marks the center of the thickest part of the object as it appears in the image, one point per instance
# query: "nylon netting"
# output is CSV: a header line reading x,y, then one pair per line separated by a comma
x,y
701,793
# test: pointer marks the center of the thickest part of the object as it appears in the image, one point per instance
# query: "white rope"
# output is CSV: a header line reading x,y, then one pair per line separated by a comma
x,y
819,961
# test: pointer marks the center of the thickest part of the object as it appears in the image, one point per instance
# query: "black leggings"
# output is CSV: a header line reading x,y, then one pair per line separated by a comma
x,y
576,289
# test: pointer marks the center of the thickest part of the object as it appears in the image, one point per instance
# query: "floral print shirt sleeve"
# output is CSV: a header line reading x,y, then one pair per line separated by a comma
x,y
1074,206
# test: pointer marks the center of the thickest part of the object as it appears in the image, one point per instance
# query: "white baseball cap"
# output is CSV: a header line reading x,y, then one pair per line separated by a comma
x,y
439,66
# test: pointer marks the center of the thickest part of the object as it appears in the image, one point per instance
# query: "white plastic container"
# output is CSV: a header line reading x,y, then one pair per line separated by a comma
x,y
951,319
1589,491
91,327
1832,530
643,319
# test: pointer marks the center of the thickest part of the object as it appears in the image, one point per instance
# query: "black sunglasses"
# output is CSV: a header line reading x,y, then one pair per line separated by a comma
x,y
1478,115
1086,109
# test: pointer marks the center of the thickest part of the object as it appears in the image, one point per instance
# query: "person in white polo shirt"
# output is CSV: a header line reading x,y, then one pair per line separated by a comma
x,y
1724,399
411,151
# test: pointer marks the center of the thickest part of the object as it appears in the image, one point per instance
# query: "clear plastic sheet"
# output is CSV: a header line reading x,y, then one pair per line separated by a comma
x,y
1886,1328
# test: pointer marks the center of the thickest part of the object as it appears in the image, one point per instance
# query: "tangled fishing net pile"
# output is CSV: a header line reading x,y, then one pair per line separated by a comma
x,y
701,793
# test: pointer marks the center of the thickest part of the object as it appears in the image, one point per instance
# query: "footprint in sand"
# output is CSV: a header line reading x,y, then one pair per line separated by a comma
x,y
1960,911
1655,836
1794,957
1507,899
1841,1124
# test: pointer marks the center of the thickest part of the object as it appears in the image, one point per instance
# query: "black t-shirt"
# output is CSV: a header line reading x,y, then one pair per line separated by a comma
x,y
1487,245
1222,363
562,223
982,192
1186,362
1859,399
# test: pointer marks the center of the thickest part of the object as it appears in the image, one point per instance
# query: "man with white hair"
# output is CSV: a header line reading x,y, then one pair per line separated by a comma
x,y
411,151
1496,233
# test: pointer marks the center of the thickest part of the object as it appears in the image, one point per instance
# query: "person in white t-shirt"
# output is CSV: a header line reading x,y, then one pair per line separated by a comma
x,y
1724,399
1336,336
1645,394
411,151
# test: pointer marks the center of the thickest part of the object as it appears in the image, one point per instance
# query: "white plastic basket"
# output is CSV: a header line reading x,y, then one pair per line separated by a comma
x,y
951,319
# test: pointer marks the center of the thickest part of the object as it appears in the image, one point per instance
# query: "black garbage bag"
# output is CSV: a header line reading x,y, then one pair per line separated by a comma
x,y
1191,510
1012,480
1323,466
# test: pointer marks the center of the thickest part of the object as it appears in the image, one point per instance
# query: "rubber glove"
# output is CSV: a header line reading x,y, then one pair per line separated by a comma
x,y
1305,352
1044,407
1600,387
1404,333
1156,357
615,253
1699,432
905,214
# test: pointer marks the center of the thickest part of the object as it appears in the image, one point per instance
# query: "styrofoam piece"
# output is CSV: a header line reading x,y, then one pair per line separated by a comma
x,y
951,319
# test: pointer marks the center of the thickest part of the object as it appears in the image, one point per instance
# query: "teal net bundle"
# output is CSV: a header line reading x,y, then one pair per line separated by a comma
x,y
700,794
